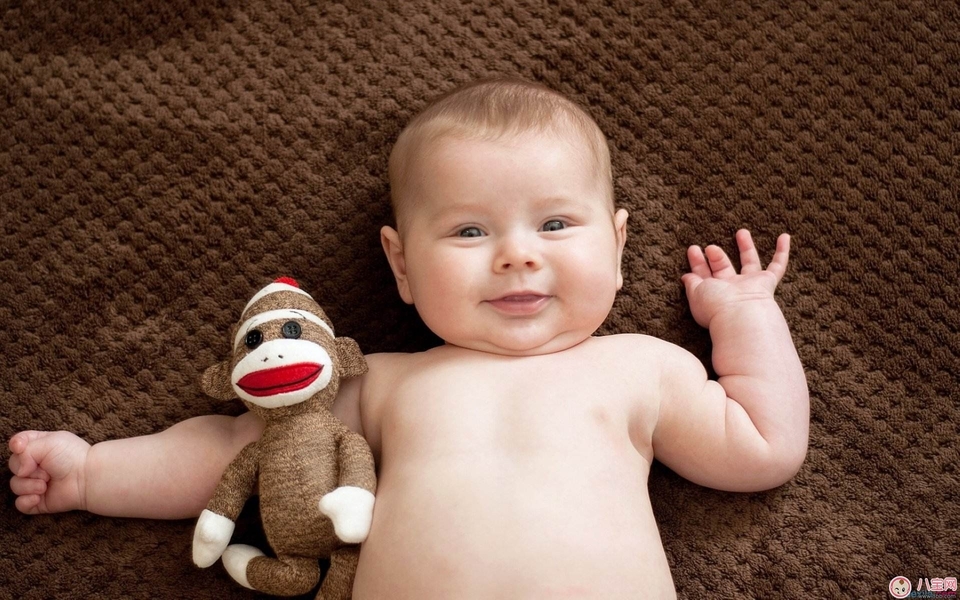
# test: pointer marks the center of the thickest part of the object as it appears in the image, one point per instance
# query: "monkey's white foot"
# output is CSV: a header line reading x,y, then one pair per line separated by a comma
x,y
235,560
351,510
210,538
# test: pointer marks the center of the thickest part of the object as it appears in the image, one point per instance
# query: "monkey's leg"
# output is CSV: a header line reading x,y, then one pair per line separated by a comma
x,y
338,583
285,576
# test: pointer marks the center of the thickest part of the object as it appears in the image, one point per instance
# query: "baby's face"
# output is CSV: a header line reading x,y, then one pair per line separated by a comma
x,y
508,246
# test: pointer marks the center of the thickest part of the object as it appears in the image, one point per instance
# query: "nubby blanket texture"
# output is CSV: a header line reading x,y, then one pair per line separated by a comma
x,y
162,159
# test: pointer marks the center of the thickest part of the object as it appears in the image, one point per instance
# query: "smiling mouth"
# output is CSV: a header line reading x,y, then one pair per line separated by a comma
x,y
281,380
520,304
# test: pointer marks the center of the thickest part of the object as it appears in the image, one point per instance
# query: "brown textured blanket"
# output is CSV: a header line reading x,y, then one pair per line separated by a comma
x,y
162,159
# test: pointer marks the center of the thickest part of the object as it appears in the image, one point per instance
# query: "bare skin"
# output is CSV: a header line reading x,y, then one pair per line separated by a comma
x,y
549,442
513,460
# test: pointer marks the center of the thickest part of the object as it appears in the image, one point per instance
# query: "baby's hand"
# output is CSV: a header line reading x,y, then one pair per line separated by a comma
x,y
48,471
351,510
714,285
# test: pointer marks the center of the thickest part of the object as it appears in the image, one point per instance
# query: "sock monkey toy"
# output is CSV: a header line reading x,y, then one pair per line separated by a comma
x,y
316,477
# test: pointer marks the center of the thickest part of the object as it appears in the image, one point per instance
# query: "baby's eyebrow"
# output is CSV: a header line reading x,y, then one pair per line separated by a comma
x,y
456,207
561,201
276,315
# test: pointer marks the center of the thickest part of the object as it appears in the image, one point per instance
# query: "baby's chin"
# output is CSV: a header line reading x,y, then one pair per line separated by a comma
x,y
510,346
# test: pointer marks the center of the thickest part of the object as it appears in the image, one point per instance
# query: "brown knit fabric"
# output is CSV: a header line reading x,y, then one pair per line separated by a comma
x,y
160,160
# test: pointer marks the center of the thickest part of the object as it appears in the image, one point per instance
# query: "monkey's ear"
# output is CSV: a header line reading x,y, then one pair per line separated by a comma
x,y
352,363
216,382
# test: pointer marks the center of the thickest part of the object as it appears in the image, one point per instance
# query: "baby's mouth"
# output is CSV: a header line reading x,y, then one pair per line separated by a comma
x,y
526,303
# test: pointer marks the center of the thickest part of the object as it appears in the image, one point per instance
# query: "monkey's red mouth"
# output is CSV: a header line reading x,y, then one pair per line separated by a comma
x,y
281,380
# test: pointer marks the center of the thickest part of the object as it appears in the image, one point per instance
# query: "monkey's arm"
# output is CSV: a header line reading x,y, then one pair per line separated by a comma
x,y
350,506
356,463
237,483
216,523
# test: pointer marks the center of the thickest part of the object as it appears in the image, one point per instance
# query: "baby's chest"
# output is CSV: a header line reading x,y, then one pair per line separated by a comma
x,y
552,409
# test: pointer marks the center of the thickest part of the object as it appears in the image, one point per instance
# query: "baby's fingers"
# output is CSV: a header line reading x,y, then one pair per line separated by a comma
x,y
698,263
749,259
18,442
27,486
690,282
23,462
28,505
720,264
22,465
712,262
778,266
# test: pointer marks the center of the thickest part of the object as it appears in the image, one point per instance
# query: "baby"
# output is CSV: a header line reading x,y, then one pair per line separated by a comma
x,y
513,459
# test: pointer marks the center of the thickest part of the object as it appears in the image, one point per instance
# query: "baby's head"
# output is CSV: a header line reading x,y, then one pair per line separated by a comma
x,y
494,109
507,239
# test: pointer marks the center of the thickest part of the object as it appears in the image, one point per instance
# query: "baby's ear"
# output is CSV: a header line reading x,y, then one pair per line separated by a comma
x,y
393,248
620,228
216,382
352,363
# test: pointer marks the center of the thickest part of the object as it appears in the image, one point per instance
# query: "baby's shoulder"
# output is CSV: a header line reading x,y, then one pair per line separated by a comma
x,y
387,370
643,355
385,365
632,344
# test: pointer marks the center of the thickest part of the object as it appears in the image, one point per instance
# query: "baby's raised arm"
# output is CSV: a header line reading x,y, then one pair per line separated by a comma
x,y
748,430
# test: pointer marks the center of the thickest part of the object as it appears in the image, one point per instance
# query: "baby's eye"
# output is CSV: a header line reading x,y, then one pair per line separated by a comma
x,y
553,226
469,232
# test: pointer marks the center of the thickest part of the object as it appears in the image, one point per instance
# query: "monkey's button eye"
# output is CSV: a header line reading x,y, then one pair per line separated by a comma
x,y
291,330
253,339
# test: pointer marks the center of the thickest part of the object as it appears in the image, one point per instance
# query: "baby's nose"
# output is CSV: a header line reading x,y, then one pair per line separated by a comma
x,y
517,253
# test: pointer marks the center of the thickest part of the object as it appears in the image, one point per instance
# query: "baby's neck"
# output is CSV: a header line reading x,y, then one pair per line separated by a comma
x,y
558,344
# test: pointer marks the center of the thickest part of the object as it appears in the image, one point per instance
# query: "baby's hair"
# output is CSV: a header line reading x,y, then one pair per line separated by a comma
x,y
489,109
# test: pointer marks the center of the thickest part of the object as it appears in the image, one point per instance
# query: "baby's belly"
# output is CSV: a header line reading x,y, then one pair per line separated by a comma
x,y
485,527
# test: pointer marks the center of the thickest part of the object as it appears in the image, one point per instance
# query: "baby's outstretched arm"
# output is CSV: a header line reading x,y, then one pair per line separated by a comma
x,y
168,475
748,430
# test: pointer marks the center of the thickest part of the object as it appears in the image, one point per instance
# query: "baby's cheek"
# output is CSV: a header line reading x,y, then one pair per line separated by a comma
x,y
594,272
593,297
439,301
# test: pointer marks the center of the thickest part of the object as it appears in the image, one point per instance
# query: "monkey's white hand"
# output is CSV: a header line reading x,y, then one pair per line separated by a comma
x,y
210,538
351,510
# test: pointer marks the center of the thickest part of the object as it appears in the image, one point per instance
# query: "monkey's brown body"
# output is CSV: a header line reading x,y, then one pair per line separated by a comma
x,y
292,463
295,471
290,375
